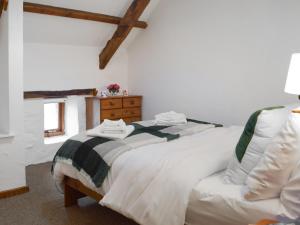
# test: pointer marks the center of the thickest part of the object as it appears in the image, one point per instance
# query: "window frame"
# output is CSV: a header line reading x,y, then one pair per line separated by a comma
x,y
60,131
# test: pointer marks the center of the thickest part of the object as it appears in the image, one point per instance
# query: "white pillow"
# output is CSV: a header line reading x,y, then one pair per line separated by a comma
x,y
261,127
290,194
279,160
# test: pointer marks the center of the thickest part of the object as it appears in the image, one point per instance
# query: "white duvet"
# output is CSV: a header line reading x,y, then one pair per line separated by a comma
x,y
152,184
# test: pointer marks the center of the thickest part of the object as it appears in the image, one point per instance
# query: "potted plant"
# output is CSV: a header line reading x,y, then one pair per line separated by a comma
x,y
113,89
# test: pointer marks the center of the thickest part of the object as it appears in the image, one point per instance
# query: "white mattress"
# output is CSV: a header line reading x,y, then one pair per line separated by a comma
x,y
214,203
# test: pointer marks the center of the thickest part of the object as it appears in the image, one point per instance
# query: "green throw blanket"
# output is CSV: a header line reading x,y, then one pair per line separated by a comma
x,y
93,156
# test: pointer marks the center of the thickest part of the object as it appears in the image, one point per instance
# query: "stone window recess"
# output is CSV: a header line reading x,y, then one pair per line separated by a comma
x,y
54,119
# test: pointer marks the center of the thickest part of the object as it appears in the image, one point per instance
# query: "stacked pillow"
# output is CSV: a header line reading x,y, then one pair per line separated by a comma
x,y
267,158
272,172
290,194
261,127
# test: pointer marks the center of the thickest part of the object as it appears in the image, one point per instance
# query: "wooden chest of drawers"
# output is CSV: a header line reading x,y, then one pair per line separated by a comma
x,y
128,108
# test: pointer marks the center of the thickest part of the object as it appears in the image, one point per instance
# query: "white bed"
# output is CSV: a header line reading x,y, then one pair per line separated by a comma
x,y
210,203
152,183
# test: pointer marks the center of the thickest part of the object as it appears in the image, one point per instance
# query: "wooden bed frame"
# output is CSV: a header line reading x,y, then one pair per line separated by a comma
x,y
75,190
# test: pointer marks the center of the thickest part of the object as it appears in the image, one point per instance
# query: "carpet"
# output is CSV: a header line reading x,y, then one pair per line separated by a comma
x,y
44,205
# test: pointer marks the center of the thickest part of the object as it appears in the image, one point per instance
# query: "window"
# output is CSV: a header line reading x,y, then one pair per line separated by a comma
x,y
54,119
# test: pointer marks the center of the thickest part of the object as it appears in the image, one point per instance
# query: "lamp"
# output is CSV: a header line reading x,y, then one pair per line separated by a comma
x,y
292,85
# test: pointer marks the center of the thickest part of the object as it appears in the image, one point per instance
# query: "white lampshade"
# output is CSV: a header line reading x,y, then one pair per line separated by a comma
x,y
292,85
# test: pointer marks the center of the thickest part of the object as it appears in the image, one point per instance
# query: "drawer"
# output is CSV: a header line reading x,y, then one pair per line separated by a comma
x,y
132,112
112,114
132,119
111,103
132,102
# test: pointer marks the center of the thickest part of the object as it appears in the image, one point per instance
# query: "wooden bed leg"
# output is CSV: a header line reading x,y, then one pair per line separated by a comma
x,y
74,190
71,195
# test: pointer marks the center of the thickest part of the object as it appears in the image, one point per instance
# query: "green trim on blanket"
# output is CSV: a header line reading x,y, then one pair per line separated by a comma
x,y
203,122
155,131
248,133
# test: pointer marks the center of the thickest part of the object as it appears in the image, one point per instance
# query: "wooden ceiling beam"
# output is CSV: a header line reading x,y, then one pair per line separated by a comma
x,y
127,23
1,7
5,4
76,14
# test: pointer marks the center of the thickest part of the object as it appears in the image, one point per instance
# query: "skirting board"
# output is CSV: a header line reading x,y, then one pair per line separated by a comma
x,y
14,192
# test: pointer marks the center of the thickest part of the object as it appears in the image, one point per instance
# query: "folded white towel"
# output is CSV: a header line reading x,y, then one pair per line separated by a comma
x,y
108,131
170,123
96,132
113,123
170,119
114,127
171,115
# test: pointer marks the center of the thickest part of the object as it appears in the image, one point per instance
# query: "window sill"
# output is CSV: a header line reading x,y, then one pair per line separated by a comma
x,y
9,135
55,140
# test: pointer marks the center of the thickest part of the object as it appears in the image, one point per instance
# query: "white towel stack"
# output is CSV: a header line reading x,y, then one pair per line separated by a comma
x,y
112,130
113,127
170,119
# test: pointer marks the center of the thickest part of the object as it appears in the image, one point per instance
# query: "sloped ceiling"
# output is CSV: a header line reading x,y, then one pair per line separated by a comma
x,y
58,30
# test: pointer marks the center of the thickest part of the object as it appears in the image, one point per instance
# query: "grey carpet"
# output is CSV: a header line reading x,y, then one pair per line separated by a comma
x,y
44,205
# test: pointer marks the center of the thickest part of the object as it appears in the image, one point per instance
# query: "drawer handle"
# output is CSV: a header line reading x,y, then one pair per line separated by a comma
x,y
132,102
112,114
111,103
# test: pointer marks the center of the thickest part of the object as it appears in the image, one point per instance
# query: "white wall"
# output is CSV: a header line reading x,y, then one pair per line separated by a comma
x,y
12,158
215,60
62,67
4,109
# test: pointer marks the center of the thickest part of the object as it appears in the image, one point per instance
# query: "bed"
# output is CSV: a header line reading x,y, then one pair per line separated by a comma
x,y
152,183
212,202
